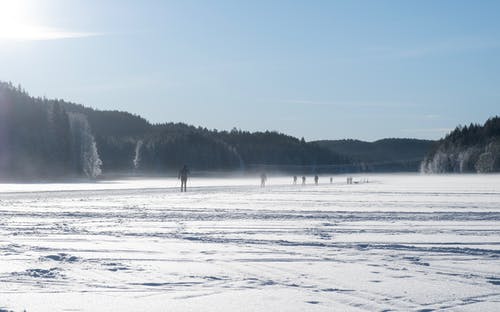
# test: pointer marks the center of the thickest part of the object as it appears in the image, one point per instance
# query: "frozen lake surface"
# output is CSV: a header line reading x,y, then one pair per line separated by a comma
x,y
399,242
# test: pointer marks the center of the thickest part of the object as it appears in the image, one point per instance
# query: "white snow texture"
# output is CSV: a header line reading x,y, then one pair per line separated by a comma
x,y
396,243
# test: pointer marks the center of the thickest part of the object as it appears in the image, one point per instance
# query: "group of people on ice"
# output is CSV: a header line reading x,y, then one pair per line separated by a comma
x,y
349,180
184,173
316,180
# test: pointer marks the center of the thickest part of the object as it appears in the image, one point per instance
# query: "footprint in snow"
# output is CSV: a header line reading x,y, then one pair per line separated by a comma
x,y
60,257
39,273
494,280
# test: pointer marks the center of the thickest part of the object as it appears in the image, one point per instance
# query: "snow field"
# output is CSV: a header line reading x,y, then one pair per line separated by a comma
x,y
399,242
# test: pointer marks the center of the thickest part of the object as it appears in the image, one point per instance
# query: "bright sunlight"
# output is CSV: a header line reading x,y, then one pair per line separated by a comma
x,y
19,20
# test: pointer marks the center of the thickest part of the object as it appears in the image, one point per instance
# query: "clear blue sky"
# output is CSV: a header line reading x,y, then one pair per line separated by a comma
x,y
317,69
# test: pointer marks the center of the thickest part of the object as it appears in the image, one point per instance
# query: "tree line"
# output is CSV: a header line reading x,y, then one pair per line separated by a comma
x,y
472,148
48,138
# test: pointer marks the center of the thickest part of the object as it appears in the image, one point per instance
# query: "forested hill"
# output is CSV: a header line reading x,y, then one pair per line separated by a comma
x,y
382,155
53,138
473,148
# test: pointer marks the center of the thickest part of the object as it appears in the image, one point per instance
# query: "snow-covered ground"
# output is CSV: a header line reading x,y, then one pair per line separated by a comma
x,y
399,242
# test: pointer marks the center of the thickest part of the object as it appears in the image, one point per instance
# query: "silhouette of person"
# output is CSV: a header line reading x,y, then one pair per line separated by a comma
x,y
263,179
294,179
331,180
316,178
303,180
183,176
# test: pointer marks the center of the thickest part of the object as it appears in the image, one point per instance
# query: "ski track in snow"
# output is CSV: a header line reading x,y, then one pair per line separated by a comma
x,y
398,243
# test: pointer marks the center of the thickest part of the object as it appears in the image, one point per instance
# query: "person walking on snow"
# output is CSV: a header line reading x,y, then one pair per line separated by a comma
x,y
183,176
263,179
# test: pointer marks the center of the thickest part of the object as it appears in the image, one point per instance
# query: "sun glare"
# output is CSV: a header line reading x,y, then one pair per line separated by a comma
x,y
16,22
20,20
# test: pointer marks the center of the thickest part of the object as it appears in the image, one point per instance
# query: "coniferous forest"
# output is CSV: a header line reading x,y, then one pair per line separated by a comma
x,y
386,155
51,138
473,148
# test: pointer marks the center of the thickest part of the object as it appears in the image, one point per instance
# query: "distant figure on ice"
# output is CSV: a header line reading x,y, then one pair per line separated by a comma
x,y
294,180
331,180
263,179
183,176
316,178
303,180
349,180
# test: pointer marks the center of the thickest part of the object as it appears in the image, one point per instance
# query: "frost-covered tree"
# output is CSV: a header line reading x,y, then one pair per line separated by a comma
x,y
467,149
84,146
